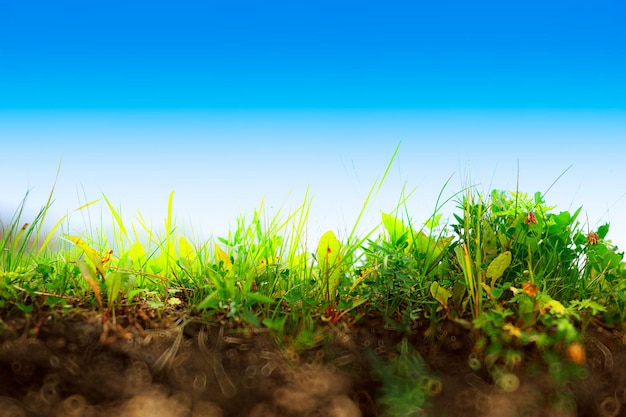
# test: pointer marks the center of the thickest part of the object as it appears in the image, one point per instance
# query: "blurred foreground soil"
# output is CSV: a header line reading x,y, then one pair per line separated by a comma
x,y
61,367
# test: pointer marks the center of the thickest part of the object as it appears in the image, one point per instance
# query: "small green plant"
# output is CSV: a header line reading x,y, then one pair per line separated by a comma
x,y
402,266
330,271
530,318
407,384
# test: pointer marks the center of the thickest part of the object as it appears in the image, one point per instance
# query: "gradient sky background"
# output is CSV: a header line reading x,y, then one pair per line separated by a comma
x,y
231,102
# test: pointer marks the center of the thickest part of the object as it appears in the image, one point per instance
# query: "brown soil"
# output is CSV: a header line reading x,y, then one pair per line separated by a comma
x,y
61,367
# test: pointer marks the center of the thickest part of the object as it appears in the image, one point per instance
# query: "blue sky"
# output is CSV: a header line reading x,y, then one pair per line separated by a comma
x,y
322,54
230,102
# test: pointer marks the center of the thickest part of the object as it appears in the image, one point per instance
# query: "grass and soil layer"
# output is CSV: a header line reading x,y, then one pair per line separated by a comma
x,y
512,309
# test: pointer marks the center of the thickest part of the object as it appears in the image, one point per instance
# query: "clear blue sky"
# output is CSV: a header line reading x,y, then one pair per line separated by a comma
x,y
321,54
228,102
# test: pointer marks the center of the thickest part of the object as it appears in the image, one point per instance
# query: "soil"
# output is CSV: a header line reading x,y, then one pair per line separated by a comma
x,y
75,366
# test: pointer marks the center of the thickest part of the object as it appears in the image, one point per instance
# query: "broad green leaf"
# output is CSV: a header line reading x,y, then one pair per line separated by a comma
x,y
276,324
137,251
224,258
114,286
185,250
328,259
497,292
260,298
464,262
397,230
210,301
251,318
497,267
458,293
394,227
489,241
328,250
603,230
556,307
439,293
433,249
563,218
433,221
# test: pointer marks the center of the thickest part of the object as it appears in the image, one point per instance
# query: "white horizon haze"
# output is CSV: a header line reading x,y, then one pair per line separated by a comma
x,y
221,165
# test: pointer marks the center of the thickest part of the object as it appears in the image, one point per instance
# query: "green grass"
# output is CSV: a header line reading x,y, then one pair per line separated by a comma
x,y
515,271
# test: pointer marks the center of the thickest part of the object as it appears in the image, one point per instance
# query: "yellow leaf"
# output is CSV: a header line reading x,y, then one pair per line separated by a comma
x,y
439,293
556,307
512,330
91,253
106,258
174,301
224,258
185,249
329,259
89,276
100,263
136,251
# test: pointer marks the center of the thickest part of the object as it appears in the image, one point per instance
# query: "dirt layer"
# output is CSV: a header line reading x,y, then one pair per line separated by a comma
x,y
68,367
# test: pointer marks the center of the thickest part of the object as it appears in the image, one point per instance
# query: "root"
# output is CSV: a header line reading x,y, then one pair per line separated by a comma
x,y
226,384
169,354
608,356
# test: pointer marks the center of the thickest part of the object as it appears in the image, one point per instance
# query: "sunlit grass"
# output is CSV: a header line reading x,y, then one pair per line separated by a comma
x,y
506,265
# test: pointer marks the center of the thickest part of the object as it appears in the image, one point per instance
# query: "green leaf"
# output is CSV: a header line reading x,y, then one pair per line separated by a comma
x,y
185,249
223,257
260,298
603,230
458,292
174,301
210,301
496,292
433,221
113,282
155,304
439,293
555,307
434,250
588,304
137,251
497,267
328,259
276,324
328,250
489,241
563,218
397,231
25,308
251,318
